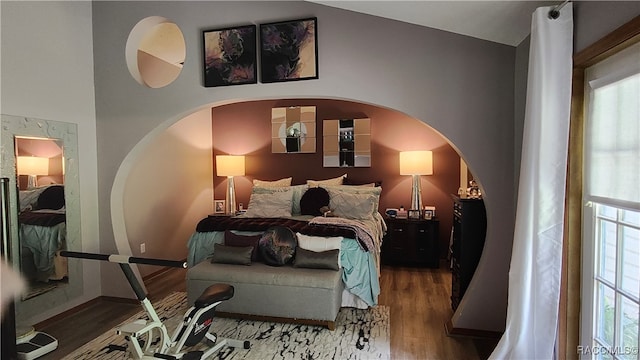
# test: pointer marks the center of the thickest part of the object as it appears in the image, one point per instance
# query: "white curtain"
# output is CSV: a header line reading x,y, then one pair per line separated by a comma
x,y
534,275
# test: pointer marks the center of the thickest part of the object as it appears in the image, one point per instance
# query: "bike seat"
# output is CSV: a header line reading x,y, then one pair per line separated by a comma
x,y
213,294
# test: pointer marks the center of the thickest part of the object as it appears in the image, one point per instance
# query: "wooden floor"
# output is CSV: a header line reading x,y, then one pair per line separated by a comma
x,y
418,300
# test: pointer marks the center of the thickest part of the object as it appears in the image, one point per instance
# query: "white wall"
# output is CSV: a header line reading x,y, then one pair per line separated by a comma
x,y
47,73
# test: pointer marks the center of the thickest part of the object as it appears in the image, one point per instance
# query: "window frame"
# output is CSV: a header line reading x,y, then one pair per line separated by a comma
x,y
570,294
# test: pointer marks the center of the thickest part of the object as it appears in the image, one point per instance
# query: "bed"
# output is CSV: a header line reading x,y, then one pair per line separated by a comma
x,y
42,229
350,221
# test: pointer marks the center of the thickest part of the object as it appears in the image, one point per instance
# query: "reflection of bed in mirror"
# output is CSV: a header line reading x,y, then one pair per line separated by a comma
x,y
42,228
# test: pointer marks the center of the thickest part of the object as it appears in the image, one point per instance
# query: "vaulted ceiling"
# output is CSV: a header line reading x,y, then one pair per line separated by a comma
x,y
505,22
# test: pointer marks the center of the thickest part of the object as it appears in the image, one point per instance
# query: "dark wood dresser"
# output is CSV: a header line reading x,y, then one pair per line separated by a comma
x,y
469,230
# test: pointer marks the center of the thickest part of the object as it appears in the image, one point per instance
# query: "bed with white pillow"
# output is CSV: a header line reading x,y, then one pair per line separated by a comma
x,y
354,227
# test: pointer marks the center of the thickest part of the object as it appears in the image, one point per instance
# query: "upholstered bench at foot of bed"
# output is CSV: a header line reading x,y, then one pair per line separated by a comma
x,y
263,292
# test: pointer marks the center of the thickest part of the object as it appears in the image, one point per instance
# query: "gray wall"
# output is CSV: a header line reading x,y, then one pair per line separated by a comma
x,y
595,19
462,87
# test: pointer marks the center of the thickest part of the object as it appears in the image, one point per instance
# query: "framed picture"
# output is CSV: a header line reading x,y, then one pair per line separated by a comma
x,y
230,56
428,214
414,214
218,206
289,50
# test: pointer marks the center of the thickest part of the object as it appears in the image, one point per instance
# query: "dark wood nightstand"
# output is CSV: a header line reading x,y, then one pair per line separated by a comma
x,y
411,242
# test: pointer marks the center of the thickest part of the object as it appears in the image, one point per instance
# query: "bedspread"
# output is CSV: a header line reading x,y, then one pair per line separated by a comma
x,y
43,241
351,230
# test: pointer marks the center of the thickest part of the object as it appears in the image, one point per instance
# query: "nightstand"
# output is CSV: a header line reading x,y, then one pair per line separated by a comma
x,y
411,242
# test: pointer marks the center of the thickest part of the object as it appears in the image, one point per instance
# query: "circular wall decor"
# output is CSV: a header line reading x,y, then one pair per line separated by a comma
x,y
155,52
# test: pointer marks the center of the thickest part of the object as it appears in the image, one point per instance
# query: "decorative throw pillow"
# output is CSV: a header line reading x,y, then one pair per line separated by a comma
x,y
277,245
375,191
316,260
274,183
352,206
352,182
319,243
232,254
296,194
275,204
312,200
235,240
334,181
52,197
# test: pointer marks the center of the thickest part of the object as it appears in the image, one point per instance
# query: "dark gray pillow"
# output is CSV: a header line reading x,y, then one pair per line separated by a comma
x,y
236,255
316,260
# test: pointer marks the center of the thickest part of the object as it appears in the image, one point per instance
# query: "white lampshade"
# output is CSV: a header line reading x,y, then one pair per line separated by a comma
x,y
32,165
416,162
230,165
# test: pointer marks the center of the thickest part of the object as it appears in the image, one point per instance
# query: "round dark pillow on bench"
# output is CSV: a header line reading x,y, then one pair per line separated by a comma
x,y
277,245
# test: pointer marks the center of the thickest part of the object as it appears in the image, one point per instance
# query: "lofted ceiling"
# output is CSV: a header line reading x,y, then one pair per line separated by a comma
x,y
505,22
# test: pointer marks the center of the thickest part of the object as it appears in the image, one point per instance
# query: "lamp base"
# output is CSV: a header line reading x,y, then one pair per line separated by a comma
x,y
231,197
32,182
416,193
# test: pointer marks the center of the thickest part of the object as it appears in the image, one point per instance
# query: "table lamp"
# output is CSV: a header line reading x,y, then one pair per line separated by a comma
x,y
230,166
416,163
32,166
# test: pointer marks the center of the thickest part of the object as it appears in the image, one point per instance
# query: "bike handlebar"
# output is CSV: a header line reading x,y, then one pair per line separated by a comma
x,y
123,259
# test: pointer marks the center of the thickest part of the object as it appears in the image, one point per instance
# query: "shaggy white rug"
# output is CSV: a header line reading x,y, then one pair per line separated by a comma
x,y
359,334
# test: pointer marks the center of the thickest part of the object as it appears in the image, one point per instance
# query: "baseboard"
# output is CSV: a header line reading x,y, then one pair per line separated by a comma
x,y
76,309
470,333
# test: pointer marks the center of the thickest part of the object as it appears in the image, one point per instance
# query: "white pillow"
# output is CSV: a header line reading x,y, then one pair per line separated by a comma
x,y
276,204
319,243
335,181
275,183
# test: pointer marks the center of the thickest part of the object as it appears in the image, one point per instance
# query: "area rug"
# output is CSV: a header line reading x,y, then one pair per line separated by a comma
x,y
359,334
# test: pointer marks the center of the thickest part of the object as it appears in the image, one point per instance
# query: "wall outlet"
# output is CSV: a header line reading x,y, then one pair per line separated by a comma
x,y
143,248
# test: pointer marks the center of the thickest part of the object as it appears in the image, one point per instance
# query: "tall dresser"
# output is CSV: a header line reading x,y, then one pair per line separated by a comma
x,y
469,230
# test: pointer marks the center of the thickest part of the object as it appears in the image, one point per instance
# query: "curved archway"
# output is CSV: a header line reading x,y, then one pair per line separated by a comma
x,y
239,121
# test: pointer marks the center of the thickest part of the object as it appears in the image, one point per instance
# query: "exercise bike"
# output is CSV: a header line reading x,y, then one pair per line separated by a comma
x,y
149,339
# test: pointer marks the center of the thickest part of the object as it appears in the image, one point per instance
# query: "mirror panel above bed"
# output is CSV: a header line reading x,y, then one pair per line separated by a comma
x,y
346,143
293,129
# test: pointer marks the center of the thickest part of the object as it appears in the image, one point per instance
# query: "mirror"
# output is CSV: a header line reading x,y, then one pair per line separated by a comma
x,y
346,143
35,155
293,129
41,214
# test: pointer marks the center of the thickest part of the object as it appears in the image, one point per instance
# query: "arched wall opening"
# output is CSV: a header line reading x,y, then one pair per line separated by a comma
x,y
145,188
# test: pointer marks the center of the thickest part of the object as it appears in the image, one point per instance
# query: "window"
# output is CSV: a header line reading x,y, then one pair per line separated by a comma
x,y
611,217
